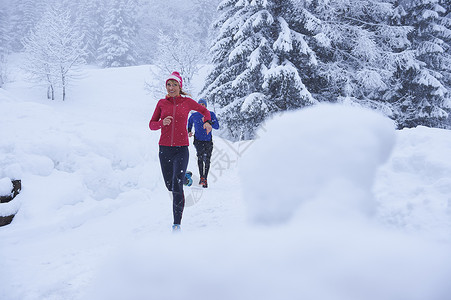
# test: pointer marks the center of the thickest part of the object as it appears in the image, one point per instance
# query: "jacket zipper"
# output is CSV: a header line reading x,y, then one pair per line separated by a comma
x,y
173,123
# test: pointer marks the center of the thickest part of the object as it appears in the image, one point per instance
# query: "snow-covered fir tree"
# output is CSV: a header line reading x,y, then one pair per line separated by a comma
x,y
176,52
5,30
117,47
4,43
190,19
91,17
147,34
24,16
203,14
445,22
355,51
258,54
156,16
420,96
54,50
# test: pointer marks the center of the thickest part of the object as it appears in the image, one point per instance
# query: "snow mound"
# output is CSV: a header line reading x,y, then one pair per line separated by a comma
x,y
6,186
325,157
413,189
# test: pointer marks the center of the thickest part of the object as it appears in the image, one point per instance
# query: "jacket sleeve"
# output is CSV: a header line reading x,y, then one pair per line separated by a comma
x,y
214,121
202,109
155,122
190,123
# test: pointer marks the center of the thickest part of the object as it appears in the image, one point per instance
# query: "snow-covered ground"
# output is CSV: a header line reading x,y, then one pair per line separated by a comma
x,y
329,203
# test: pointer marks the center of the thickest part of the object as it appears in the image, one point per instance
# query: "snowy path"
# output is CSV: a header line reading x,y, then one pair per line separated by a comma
x,y
97,160
59,260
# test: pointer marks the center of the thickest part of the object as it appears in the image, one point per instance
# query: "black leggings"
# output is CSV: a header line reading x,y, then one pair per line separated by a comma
x,y
204,150
174,161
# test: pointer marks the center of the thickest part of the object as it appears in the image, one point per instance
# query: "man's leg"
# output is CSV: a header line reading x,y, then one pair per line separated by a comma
x,y
208,151
200,162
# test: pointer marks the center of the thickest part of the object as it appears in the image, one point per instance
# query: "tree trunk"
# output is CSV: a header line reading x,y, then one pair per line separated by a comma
x,y
63,81
50,90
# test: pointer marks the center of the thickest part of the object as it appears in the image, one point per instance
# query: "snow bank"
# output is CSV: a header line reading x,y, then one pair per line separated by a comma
x,y
325,156
414,188
276,263
10,208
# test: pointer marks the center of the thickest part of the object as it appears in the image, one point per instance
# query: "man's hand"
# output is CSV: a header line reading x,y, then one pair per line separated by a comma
x,y
190,134
207,127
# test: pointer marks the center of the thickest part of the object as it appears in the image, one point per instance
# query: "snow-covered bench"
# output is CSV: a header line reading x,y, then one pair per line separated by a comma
x,y
9,189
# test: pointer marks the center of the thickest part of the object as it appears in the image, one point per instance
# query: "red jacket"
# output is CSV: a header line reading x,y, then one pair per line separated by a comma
x,y
176,133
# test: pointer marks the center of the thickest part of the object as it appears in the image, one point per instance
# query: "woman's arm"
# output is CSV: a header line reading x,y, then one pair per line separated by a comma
x,y
155,122
203,110
214,121
207,117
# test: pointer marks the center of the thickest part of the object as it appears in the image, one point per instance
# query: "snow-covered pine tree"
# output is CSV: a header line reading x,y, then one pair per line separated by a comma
x,y
24,16
117,47
176,52
4,43
257,59
190,19
355,44
54,49
156,16
445,22
91,14
147,33
420,97
203,13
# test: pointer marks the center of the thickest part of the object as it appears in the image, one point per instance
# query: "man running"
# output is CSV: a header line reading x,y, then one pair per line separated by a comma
x,y
203,141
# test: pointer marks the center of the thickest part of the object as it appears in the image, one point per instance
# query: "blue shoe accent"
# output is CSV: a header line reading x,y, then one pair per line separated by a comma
x,y
176,227
188,179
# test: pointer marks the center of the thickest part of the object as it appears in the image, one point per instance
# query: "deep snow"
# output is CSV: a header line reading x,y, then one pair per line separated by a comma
x,y
329,203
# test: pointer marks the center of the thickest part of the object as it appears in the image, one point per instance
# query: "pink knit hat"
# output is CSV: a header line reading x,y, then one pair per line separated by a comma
x,y
177,77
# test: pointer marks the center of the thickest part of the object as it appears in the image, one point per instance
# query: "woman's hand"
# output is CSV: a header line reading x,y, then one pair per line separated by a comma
x,y
207,127
167,120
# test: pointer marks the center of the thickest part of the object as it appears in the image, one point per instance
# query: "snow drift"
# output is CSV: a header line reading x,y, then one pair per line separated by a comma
x,y
326,155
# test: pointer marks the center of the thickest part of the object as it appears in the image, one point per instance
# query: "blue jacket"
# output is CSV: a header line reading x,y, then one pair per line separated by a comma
x,y
200,133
